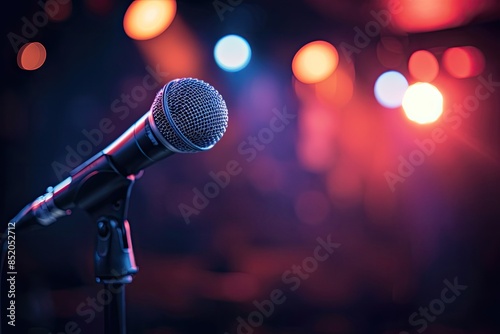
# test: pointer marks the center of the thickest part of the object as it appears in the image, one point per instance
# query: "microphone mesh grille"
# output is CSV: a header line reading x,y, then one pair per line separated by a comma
x,y
190,114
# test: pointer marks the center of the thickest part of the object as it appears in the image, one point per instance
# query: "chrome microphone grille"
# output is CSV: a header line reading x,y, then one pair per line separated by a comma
x,y
190,114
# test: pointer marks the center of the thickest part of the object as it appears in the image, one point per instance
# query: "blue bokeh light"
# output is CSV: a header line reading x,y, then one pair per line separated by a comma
x,y
232,53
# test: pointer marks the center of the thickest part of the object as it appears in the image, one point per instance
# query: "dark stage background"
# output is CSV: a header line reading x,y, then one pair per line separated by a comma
x,y
416,255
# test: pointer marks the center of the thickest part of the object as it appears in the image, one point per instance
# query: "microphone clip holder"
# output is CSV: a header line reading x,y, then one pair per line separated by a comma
x,y
114,256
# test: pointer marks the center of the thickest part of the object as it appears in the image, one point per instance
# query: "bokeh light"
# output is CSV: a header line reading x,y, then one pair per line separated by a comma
x,y
428,15
315,62
423,103
58,11
390,88
390,51
463,62
183,60
232,53
31,56
345,185
337,89
423,66
146,19
317,128
100,7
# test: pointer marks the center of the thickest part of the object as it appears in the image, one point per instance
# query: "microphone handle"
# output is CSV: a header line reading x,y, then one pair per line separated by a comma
x,y
93,181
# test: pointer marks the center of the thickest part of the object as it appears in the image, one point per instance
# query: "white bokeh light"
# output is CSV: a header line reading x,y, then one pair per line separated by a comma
x,y
232,53
390,88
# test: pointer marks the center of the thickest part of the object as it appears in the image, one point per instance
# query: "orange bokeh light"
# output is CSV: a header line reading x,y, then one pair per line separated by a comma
x,y
423,66
463,62
146,19
31,56
315,62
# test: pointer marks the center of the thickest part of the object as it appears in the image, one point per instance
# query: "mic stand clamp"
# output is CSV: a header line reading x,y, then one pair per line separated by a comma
x,y
114,256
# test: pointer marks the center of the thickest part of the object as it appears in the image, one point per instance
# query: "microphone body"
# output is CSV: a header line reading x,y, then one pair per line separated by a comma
x,y
158,134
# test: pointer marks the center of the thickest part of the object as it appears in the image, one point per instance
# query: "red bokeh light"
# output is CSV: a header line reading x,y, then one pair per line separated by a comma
x,y
429,15
58,11
423,66
100,7
463,62
31,56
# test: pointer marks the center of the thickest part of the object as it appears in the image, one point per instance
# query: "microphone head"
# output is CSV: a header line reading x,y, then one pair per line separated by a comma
x,y
190,115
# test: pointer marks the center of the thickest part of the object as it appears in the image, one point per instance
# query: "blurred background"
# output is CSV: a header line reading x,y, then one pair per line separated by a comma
x,y
369,124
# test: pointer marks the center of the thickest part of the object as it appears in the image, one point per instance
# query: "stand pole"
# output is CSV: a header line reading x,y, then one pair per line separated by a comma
x,y
114,312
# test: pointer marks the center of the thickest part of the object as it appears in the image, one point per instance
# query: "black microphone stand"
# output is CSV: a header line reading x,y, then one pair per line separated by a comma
x,y
114,256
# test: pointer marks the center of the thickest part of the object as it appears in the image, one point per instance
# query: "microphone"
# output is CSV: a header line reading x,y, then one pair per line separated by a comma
x,y
187,116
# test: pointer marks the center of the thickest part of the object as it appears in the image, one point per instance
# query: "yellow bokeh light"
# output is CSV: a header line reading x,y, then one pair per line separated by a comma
x,y
146,19
315,62
423,103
